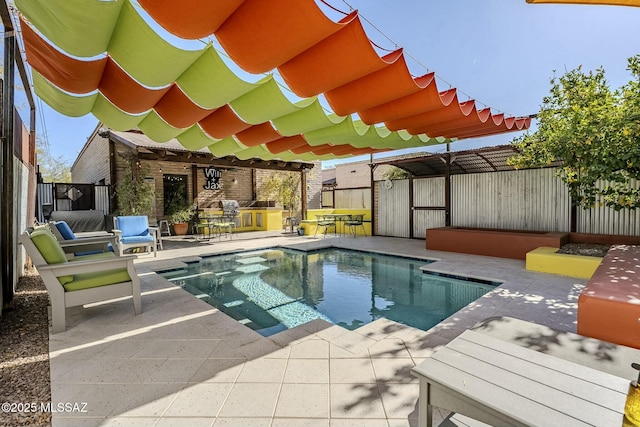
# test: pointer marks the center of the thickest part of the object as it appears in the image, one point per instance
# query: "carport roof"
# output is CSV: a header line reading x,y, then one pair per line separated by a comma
x,y
489,159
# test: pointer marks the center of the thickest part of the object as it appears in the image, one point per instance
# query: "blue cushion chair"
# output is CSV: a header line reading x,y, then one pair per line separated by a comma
x,y
134,232
82,280
84,245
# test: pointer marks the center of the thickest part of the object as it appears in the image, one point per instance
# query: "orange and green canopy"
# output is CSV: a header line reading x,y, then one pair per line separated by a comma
x,y
106,58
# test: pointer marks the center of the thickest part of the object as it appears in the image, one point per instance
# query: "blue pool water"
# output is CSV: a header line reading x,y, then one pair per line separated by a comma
x,y
275,289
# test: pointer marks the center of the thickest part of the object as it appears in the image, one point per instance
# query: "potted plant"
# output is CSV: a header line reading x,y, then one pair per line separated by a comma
x,y
180,217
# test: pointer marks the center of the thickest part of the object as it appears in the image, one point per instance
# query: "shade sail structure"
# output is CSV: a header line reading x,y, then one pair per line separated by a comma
x,y
605,2
130,76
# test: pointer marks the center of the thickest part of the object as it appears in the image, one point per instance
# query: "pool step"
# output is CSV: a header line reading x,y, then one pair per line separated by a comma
x,y
234,303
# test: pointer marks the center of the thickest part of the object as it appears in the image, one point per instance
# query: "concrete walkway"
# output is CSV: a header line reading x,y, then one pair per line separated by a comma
x,y
183,363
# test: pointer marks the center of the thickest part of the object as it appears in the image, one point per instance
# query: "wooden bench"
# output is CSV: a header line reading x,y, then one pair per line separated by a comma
x,y
609,306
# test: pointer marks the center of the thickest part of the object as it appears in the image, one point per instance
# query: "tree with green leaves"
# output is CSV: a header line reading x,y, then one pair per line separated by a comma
x,y
595,132
284,187
135,196
52,168
395,172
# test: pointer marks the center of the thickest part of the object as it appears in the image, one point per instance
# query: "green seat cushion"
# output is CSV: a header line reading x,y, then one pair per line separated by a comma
x,y
101,255
50,249
97,279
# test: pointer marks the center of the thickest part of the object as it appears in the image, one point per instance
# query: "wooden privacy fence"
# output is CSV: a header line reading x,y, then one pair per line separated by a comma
x,y
532,200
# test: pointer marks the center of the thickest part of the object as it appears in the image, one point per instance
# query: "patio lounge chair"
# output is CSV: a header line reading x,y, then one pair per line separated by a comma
x,y
84,245
82,280
134,232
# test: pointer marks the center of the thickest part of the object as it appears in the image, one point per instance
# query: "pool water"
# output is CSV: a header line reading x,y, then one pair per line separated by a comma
x,y
276,289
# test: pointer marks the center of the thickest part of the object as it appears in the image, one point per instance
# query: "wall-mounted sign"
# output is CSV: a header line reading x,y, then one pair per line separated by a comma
x,y
212,175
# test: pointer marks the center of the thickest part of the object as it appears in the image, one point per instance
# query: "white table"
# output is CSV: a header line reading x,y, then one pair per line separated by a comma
x,y
503,384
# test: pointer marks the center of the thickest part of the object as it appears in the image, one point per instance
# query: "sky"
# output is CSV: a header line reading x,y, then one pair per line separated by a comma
x,y
502,53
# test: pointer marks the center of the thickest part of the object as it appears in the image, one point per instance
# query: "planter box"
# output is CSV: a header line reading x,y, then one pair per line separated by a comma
x,y
512,244
609,306
547,260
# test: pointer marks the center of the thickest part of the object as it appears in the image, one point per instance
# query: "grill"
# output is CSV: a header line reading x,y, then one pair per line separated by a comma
x,y
230,209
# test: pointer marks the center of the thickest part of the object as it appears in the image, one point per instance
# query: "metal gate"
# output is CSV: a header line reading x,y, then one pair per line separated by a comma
x,y
71,197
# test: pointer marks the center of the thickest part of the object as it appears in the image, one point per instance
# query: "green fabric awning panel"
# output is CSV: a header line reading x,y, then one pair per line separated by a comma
x,y
306,119
219,88
69,22
144,54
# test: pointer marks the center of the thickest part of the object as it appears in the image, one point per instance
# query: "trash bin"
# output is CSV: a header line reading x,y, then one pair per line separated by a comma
x,y
300,231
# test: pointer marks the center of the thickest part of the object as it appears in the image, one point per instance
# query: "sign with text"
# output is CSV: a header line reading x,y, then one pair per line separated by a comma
x,y
212,175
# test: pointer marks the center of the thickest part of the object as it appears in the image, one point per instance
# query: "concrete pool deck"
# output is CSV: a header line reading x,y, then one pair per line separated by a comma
x,y
184,363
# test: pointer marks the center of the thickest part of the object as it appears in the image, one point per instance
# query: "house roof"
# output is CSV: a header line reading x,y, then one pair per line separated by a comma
x,y
489,159
173,151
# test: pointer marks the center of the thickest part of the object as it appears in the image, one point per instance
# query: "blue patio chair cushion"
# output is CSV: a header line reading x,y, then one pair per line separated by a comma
x,y
133,225
137,239
65,230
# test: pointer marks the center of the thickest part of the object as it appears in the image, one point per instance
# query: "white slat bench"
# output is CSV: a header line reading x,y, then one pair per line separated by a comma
x,y
499,383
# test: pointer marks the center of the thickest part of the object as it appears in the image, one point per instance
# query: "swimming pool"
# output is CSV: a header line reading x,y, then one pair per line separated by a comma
x,y
275,289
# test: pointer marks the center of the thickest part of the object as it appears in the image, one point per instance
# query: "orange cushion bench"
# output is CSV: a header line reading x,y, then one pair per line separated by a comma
x,y
609,306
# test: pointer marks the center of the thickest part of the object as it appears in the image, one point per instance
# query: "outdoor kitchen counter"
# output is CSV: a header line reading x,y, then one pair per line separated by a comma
x,y
255,219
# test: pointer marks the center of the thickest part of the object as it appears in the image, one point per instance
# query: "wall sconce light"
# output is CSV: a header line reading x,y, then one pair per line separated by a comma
x,y
235,181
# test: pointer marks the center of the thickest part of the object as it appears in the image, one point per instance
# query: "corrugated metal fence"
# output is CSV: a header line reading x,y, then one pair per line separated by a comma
x,y
535,200
516,200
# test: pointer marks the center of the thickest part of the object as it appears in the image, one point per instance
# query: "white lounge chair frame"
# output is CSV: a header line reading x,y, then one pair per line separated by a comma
x,y
61,299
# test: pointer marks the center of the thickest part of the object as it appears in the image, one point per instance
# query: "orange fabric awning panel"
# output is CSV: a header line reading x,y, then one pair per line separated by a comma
x,y
178,110
223,123
509,124
423,101
190,19
258,134
258,36
454,111
122,90
470,120
67,73
337,60
287,143
390,83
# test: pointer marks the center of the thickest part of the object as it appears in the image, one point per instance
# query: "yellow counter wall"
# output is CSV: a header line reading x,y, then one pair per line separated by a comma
x,y
310,224
256,219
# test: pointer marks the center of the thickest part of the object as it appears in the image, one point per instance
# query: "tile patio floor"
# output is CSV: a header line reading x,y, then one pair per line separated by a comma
x,y
183,363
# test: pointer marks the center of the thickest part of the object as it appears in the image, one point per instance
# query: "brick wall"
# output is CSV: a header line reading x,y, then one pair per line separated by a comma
x,y
92,164
238,183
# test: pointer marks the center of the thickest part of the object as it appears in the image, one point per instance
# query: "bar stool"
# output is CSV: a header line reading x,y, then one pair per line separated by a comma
x,y
163,227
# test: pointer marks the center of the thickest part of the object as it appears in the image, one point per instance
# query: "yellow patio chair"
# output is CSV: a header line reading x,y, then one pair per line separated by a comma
x,y
82,280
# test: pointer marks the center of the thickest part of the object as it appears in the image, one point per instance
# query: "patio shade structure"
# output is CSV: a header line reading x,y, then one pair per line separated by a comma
x,y
601,2
105,58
